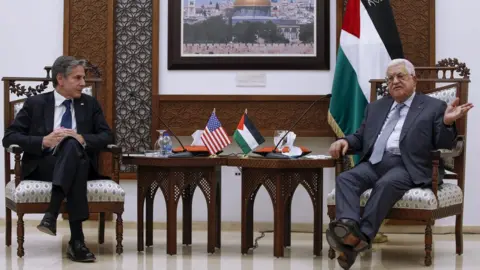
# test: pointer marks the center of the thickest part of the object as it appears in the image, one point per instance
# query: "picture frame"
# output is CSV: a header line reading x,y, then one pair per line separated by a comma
x,y
248,35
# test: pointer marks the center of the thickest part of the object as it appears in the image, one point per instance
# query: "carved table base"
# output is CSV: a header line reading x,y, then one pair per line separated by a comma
x,y
281,185
176,182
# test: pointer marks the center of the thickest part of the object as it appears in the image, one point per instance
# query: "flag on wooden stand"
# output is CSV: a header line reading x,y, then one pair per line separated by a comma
x,y
246,135
214,136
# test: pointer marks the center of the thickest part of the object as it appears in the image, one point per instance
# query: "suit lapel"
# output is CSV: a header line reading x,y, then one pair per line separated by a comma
x,y
79,107
415,109
49,112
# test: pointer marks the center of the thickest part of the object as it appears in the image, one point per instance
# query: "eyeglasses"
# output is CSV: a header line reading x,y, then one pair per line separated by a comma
x,y
400,76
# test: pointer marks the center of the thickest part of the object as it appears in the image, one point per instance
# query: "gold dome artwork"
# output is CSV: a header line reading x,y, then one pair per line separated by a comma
x,y
252,3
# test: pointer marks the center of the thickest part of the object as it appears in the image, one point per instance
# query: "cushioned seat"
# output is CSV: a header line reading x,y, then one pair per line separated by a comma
x,y
418,198
31,191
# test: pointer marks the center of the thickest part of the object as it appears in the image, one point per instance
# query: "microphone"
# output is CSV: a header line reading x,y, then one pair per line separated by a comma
x,y
273,155
184,153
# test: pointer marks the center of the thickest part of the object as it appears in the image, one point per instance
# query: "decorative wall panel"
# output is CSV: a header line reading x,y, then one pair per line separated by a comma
x,y
88,34
185,114
133,53
416,24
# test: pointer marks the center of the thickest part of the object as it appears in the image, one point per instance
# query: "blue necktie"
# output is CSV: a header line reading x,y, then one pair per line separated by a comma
x,y
67,116
381,142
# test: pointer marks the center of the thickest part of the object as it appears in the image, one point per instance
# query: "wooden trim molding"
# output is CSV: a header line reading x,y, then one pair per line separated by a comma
x,y
187,113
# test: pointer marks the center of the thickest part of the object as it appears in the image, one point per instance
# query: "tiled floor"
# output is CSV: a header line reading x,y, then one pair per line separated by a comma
x,y
401,252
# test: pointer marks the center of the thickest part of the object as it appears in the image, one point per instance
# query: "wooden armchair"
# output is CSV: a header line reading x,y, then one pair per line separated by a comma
x,y
29,196
427,205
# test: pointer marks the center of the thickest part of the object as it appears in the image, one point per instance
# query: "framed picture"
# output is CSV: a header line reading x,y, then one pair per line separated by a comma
x,y
248,34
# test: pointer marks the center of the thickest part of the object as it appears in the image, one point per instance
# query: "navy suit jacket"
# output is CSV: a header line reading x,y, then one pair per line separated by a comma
x,y
422,132
35,120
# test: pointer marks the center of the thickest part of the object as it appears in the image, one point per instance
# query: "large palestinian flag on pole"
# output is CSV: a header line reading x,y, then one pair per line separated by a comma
x,y
369,40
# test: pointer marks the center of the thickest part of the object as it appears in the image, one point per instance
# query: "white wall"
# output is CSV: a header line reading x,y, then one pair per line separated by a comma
x,y
458,36
39,41
32,37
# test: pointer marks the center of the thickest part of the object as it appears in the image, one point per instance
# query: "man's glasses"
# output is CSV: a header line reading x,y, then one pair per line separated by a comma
x,y
400,76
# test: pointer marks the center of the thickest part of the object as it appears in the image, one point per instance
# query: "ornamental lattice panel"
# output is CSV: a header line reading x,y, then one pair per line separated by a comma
x,y
133,68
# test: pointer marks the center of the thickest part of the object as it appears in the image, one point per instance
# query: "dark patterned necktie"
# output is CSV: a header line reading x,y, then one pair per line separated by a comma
x,y
67,116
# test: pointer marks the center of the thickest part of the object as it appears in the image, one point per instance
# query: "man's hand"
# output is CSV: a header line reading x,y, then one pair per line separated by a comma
x,y
338,148
52,139
454,112
71,132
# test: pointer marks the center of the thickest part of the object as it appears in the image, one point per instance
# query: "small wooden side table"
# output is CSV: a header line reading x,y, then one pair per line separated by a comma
x,y
177,177
280,177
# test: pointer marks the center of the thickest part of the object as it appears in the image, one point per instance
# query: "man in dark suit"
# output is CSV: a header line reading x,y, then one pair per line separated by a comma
x,y
61,133
394,141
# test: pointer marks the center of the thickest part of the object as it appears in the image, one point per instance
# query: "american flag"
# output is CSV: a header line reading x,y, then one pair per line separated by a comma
x,y
214,136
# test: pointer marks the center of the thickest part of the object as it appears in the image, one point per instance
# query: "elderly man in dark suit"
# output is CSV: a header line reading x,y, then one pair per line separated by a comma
x,y
61,133
395,142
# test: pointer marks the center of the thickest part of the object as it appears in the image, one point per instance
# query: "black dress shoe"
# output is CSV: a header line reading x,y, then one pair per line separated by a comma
x,y
347,259
48,224
78,252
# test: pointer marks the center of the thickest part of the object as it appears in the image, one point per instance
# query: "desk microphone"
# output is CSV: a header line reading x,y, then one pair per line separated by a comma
x,y
184,153
273,155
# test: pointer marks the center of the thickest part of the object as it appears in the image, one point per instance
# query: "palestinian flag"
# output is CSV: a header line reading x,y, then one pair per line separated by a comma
x,y
369,40
247,136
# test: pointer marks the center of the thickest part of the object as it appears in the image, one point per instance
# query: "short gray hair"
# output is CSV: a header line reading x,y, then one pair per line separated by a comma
x,y
400,61
63,65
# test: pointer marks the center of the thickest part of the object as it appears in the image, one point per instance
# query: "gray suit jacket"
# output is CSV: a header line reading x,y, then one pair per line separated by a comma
x,y
422,132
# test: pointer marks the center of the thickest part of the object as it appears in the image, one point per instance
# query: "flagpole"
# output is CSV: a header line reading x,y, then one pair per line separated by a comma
x,y
213,155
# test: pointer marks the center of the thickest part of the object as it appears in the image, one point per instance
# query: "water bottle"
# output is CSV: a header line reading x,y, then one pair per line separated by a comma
x,y
166,145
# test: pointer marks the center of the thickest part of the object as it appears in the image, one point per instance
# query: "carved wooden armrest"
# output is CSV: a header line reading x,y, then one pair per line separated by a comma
x,y
114,149
444,153
117,153
14,149
451,153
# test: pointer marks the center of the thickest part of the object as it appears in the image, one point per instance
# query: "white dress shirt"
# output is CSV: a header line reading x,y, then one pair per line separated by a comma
x,y
394,139
60,110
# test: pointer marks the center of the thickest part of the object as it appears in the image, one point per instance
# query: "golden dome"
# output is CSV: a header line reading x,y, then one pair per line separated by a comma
x,y
252,3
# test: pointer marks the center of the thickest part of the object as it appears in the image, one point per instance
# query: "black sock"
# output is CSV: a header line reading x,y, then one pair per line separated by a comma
x,y
56,201
76,231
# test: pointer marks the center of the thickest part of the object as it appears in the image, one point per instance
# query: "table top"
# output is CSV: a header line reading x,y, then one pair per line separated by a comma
x,y
261,162
142,160
248,162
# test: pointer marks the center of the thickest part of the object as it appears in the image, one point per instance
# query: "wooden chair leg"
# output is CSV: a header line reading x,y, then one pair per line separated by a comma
x,y
101,228
459,234
428,245
8,227
119,232
20,235
331,251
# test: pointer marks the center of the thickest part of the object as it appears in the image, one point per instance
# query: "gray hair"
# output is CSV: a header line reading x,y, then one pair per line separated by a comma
x,y
400,61
63,65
